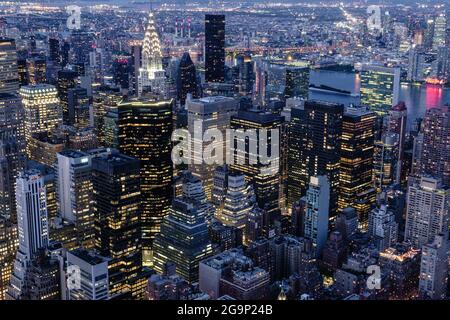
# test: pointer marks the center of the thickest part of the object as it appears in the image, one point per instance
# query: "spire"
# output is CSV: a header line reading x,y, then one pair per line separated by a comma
x,y
151,50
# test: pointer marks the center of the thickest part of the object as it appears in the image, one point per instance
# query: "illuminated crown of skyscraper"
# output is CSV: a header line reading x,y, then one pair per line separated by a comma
x,y
151,50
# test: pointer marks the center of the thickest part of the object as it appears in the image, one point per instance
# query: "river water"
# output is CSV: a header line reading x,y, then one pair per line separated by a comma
x,y
418,99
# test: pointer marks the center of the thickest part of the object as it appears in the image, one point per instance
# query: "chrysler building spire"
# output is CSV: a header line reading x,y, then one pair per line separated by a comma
x,y
151,75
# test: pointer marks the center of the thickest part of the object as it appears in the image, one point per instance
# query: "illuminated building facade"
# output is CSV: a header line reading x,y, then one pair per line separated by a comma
x,y
380,88
94,282
117,202
204,114
151,74
316,212
260,160
440,31
42,109
44,146
74,193
67,79
37,71
12,151
151,121
434,268
9,75
401,263
435,156
9,241
215,48
427,212
356,161
385,161
105,101
382,227
239,201
314,147
183,239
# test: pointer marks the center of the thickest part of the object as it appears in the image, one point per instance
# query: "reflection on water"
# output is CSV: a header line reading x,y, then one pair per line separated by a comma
x,y
418,99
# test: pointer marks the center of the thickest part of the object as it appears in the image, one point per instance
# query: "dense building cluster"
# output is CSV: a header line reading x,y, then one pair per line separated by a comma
x,y
144,156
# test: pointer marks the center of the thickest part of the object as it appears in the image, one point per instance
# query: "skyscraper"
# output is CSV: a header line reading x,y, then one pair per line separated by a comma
x,y
356,161
397,124
316,215
187,78
117,202
314,147
67,80
380,88
145,129
385,161
215,48
74,193
151,74
203,114
42,109
256,142
9,74
427,212
183,239
435,158
32,224
12,151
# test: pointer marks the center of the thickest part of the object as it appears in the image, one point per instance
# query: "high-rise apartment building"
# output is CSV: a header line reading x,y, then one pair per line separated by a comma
x,y
427,212
434,268
435,157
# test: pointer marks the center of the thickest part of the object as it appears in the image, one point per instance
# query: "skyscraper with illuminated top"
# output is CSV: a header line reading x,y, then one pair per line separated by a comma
x,y
151,74
42,109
